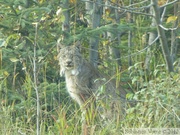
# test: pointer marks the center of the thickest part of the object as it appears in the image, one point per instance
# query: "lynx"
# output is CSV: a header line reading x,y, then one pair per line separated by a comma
x,y
85,83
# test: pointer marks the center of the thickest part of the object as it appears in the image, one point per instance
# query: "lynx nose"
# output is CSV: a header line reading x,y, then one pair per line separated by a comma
x,y
69,63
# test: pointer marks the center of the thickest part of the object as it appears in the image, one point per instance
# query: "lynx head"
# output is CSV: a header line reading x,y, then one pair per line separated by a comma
x,y
69,58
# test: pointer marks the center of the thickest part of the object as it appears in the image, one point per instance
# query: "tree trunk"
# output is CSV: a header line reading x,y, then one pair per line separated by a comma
x,y
94,41
163,38
130,36
66,25
93,11
130,44
115,38
152,37
174,33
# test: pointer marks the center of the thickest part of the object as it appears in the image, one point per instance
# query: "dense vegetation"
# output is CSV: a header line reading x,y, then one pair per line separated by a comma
x,y
139,50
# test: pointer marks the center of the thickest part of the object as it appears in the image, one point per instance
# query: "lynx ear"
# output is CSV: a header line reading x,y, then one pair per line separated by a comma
x,y
59,45
78,45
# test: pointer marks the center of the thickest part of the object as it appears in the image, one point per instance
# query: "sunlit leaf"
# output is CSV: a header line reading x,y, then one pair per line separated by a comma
x,y
5,42
40,59
14,59
161,2
113,1
171,19
59,12
6,73
107,11
21,45
2,43
105,42
41,1
62,18
72,1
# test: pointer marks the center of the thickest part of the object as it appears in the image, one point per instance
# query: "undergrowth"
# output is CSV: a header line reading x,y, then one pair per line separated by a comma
x,y
156,105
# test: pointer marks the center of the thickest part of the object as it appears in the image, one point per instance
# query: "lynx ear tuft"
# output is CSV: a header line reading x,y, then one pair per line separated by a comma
x,y
62,72
59,45
78,45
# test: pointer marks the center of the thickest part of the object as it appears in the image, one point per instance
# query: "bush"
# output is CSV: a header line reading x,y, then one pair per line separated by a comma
x,y
157,104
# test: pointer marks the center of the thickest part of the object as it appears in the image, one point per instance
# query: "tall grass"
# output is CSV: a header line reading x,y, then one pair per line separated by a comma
x,y
157,106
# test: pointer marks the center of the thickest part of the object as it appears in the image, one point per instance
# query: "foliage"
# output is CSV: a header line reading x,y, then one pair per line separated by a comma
x,y
157,103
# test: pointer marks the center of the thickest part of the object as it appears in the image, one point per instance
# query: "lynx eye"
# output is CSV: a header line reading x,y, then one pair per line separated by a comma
x,y
64,55
75,56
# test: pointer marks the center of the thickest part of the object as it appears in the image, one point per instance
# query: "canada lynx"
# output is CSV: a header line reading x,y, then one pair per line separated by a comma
x,y
84,82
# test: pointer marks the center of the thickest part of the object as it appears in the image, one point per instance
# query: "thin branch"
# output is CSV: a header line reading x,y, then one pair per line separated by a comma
x,y
35,82
143,7
134,4
168,28
48,52
169,3
120,7
169,111
164,11
126,9
14,10
164,107
131,5
141,51
176,114
141,13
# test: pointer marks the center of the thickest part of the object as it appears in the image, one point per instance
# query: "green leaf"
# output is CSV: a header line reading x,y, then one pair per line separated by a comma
x,y
14,59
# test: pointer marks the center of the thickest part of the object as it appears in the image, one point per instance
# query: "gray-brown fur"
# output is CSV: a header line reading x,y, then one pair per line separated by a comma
x,y
83,81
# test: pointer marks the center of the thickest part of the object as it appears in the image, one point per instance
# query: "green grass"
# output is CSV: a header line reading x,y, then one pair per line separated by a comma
x,y
157,107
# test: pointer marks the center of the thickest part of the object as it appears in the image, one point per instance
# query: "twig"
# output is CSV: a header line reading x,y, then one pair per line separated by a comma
x,y
126,9
35,82
134,4
167,4
168,28
149,45
176,114
163,107
164,11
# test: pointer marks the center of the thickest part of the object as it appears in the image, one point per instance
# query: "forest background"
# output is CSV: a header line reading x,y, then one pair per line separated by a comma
x,y
136,42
